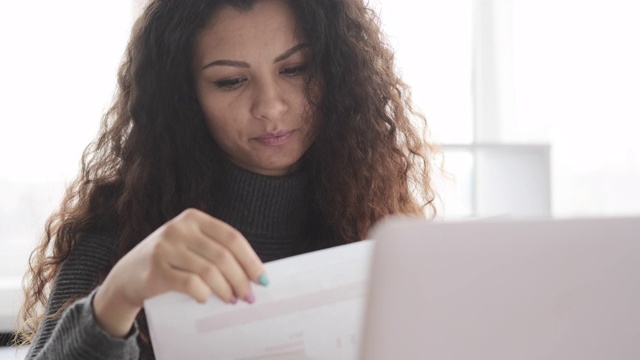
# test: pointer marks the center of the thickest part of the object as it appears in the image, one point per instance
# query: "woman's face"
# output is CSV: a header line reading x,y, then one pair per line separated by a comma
x,y
250,74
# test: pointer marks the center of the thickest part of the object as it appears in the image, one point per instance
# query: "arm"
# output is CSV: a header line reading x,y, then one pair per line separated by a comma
x,y
193,253
75,334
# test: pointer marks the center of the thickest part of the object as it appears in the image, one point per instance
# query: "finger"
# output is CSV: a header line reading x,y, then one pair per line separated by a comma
x,y
189,283
237,244
212,254
186,261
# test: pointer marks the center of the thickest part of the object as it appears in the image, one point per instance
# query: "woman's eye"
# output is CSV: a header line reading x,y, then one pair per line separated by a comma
x,y
229,84
294,70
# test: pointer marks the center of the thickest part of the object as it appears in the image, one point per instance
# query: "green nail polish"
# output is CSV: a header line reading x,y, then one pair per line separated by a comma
x,y
262,279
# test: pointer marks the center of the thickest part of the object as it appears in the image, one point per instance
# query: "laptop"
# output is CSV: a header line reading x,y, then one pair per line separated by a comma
x,y
534,289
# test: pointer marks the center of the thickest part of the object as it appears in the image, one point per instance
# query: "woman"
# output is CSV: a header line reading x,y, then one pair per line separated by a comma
x,y
242,132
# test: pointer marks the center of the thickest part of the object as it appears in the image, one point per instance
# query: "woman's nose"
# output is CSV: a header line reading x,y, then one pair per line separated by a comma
x,y
269,100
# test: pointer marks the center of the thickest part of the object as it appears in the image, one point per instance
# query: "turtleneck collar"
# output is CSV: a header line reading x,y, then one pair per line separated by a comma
x,y
271,212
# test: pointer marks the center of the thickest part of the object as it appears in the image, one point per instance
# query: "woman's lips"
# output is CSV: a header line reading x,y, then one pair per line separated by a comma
x,y
274,139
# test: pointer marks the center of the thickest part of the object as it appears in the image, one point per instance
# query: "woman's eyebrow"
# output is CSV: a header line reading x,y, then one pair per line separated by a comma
x,y
290,52
243,64
235,63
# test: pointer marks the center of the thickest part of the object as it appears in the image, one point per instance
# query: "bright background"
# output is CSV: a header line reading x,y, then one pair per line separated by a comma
x,y
536,104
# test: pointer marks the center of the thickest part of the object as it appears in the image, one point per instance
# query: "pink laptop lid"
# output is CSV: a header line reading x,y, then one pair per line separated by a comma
x,y
563,289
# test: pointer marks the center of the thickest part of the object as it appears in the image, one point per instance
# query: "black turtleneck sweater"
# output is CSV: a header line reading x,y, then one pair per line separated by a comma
x,y
275,214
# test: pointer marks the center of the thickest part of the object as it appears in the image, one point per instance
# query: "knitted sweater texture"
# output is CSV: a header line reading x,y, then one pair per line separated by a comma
x,y
273,213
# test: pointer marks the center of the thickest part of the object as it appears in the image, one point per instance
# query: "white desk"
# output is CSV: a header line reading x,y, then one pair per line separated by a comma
x,y
10,302
11,353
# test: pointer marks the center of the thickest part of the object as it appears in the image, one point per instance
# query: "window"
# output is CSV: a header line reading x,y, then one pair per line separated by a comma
x,y
58,70
546,88
577,85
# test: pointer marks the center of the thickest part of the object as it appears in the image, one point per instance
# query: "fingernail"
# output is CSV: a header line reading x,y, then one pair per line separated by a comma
x,y
250,298
263,280
233,300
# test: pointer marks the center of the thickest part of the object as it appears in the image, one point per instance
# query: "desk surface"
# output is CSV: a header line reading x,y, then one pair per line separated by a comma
x,y
10,302
11,353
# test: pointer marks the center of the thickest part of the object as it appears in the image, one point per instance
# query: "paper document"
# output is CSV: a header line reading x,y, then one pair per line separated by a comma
x,y
312,309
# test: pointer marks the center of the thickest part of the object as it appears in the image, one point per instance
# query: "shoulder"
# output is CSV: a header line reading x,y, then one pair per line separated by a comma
x,y
92,251
91,255
94,244
88,262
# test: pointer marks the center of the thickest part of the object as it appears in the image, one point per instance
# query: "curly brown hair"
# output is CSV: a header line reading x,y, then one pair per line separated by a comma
x,y
153,155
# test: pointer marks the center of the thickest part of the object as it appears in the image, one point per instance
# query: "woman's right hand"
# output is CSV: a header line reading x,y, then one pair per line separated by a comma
x,y
193,253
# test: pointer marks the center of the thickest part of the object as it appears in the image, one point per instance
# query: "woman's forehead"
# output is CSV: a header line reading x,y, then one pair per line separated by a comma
x,y
268,28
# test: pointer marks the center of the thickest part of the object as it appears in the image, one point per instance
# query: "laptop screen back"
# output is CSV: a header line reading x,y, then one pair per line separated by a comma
x,y
563,289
